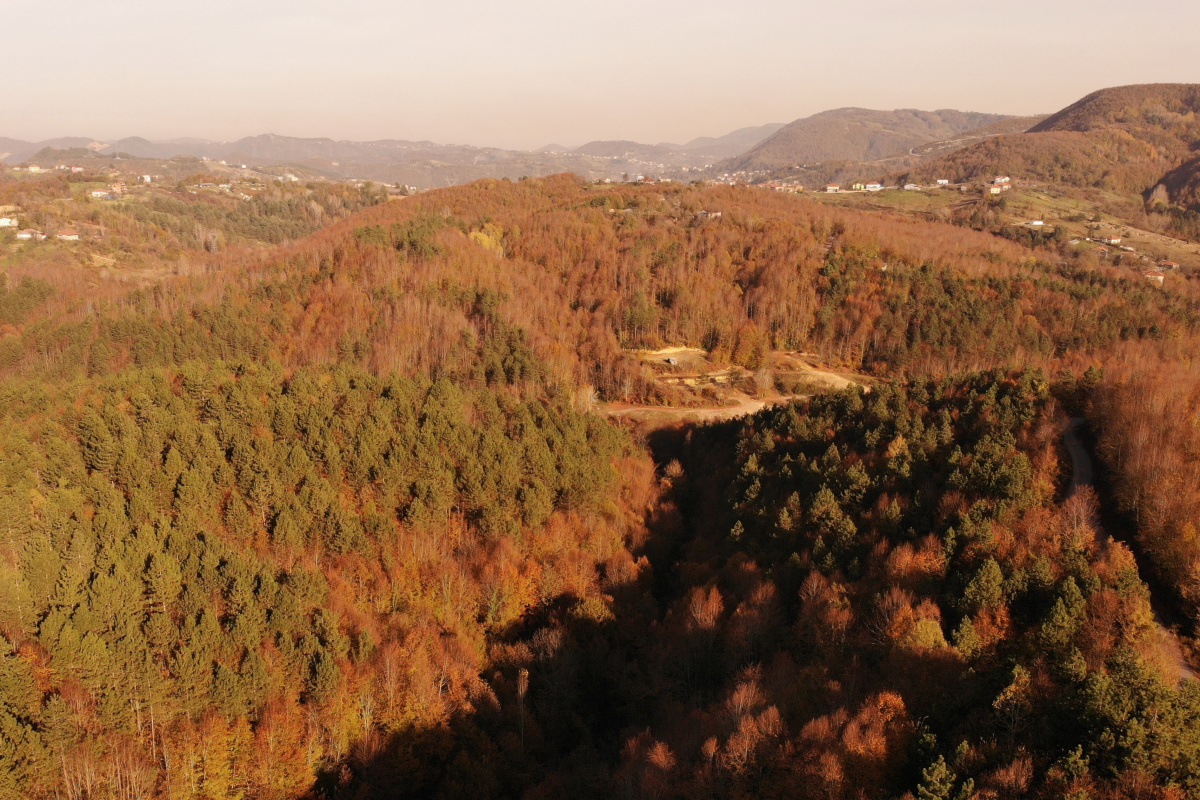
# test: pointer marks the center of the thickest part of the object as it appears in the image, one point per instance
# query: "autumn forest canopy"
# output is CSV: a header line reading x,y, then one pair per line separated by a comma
x,y
338,502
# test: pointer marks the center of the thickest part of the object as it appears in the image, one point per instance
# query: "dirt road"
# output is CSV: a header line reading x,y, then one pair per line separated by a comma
x,y
691,368
1083,473
666,415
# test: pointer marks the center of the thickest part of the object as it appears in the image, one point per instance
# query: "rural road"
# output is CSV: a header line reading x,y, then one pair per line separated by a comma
x,y
1083,474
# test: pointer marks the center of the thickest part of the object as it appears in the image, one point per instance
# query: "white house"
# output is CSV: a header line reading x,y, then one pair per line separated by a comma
x,y
833,188
8,222
943,182
67,235
911,187
874,187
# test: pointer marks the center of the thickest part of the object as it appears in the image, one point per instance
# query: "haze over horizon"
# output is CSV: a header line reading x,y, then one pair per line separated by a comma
x,y
526,74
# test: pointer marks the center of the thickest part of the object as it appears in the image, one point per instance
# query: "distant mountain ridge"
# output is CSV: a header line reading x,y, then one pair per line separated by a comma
x,y
287,148
421,163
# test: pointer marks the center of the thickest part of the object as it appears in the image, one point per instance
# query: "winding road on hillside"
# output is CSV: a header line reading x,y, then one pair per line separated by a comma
x,y
1083,474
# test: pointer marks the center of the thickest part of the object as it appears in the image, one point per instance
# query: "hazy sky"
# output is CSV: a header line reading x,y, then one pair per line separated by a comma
x,y
523,73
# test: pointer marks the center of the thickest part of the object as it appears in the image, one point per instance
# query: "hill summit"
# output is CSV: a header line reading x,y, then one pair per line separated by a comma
x,y
1161,112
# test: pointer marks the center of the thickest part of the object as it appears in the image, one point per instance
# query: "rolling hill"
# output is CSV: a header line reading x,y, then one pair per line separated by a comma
x,y
1127,139
856,134
731,144
693,153
622,148
15,151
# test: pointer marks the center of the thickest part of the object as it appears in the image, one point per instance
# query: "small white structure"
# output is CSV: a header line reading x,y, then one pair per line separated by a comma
x,y
832,188
144,179
30,234
1154,276
943,182
100,194
1035,223
911,187
8,222
67,235
874,187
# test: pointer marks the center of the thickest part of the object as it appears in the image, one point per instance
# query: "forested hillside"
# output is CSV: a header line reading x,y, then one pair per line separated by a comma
x,y
162,226
338,518
579,273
